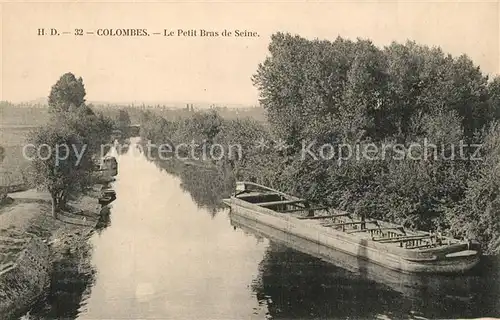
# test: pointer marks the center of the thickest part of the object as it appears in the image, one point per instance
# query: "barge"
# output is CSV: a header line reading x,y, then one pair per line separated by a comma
x,y
412,286
383,243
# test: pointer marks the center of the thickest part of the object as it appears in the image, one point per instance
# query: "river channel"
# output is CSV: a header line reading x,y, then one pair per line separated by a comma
x,y
170,250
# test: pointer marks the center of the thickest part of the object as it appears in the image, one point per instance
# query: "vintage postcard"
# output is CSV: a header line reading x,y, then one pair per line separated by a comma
x,y
249,160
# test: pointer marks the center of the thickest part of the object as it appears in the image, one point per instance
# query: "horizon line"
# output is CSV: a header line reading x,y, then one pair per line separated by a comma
x,y
152,103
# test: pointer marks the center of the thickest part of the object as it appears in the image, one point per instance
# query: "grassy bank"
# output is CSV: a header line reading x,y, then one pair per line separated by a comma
x,y
29,213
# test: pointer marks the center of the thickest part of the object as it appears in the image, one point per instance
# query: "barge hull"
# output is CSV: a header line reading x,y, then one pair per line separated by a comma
x,y
360,249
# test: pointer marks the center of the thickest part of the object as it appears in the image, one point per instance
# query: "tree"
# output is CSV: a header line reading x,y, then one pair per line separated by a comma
x,y
360,111
285,82
477,214
123,119
62,165
67,94
202,127
94,129
494,98
73,137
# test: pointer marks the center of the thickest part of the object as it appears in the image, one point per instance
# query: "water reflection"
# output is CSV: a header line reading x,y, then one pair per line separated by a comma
x,y
206,186
294,286
71,280
104,219
301,279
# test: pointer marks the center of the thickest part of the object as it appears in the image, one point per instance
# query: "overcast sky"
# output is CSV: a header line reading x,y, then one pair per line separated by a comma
x,y
180,69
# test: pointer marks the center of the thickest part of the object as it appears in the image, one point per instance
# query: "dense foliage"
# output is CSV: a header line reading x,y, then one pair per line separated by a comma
x,y
351,93
123,119
67,93
63,151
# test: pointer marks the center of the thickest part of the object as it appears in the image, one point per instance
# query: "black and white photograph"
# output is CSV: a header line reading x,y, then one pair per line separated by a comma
x,y
221,160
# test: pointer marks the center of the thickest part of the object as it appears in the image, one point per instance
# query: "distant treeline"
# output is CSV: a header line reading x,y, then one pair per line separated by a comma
x,y
135,112
351,93
37,114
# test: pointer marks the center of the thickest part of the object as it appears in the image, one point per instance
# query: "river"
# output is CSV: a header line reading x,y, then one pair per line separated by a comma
x,y
170,250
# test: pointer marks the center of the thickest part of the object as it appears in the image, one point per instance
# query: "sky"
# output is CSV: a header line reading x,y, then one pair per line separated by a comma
x,y
204,69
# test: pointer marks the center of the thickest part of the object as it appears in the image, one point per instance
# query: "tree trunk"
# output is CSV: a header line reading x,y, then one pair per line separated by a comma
x,y
61,200
54,206
310,213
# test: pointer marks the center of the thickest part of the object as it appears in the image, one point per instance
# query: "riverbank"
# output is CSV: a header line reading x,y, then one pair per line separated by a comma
x,y
28,214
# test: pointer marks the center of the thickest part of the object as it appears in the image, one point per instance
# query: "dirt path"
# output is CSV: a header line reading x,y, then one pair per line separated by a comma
x,y
30,213
19,216
31,194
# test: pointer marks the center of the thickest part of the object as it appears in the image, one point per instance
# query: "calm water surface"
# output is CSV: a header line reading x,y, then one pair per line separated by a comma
x,y
171,251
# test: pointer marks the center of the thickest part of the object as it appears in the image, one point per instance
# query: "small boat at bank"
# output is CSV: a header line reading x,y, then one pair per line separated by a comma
x,y
107,195
105,169
386,244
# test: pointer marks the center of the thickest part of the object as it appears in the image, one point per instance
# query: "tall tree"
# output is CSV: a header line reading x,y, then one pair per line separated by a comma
x,y
73,136
62,166
282,82
67,94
